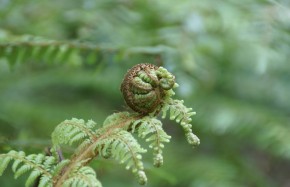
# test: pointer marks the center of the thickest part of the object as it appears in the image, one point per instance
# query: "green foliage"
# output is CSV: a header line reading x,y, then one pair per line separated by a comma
x,y
122,146
112,140
72,131
29,48
124,118
151,129
38,165
181,114
231,58
24,49
59,166
82,176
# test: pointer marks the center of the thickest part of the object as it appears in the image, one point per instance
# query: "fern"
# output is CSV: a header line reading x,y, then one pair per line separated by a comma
x,y
153,127
39,165
73,131
150,94
181,114
121,119
123,147
28,48
82,176
59,166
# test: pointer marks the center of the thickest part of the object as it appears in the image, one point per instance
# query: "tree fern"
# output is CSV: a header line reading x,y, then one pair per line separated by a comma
x,y
147,90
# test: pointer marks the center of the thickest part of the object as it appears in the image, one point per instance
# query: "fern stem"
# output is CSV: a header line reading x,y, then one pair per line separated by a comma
x,y
55,44
85,156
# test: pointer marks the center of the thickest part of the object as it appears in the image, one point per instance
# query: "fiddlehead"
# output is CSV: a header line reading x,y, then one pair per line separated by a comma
x,y
145,87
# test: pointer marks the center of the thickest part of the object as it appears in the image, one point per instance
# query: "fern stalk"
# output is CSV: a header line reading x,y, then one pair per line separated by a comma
x,y
88,153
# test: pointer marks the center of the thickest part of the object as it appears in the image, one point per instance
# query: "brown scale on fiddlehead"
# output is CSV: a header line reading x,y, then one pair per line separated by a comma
x,y
145,86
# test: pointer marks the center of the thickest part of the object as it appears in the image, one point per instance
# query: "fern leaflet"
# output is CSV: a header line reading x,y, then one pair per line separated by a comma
x,y
181,114
123,147
146,126
73,131
39,165
82,176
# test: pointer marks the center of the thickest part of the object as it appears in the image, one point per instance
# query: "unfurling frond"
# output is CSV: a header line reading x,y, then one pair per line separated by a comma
x,y
83,176
147,90
74,130
39,165
152,129
144,87
181,114
122,146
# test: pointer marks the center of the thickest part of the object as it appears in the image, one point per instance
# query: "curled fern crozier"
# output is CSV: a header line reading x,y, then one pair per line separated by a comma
x,y
145,86
147,89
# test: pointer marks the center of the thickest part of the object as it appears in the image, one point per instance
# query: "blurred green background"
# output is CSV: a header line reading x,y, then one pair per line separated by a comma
x,y
231,59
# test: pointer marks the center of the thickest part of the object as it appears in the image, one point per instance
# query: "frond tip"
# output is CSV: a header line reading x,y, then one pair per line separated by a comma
x,y
182,115
122,146
39,165
152,129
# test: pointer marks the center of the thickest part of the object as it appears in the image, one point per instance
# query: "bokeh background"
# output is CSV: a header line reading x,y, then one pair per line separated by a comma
x,y
231,59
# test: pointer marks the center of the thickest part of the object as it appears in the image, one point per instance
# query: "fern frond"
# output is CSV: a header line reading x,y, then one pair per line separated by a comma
x,y
44,182
72,131
182,115
31,48
27,48
152,129
82,176
32,177
39,165
59,166
122,146
121,119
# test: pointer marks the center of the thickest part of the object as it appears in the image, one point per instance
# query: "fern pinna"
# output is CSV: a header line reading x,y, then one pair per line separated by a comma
x,y
147,90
